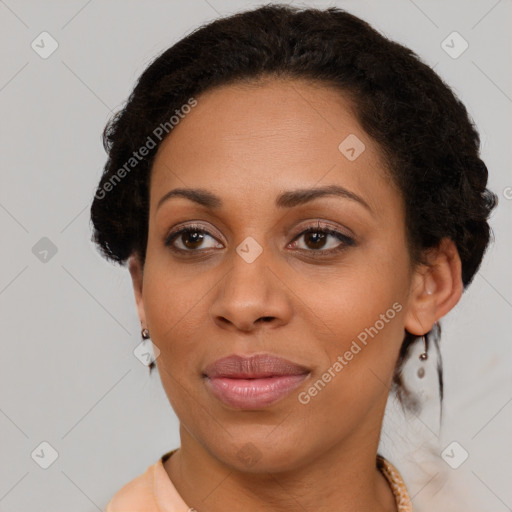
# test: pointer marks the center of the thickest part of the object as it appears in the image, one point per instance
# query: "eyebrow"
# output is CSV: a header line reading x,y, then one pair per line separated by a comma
x,y
287,199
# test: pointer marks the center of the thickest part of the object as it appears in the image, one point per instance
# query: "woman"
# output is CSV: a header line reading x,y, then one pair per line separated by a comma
x,y
300,201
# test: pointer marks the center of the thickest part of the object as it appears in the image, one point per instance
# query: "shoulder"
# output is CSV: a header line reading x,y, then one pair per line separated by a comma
x,y
136,495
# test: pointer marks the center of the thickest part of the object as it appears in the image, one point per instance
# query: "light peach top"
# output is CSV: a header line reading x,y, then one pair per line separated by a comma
x,y
153,491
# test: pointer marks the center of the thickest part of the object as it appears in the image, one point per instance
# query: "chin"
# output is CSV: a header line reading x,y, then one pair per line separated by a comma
x,y
261,456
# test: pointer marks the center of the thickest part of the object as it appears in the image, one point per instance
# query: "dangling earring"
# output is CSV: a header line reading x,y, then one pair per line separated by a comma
x,y
423,357
424,354
145,336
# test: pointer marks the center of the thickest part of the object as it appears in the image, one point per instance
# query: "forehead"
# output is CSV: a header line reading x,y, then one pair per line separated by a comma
x,y
249,141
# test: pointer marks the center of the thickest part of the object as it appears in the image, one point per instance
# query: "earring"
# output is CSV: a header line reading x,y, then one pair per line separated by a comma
x,y
145,336
424,355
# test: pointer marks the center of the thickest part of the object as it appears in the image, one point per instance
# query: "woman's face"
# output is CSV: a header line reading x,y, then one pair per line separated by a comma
x,y
247,280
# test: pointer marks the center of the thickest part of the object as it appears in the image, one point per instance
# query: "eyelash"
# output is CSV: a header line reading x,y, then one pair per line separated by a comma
x,y
345,240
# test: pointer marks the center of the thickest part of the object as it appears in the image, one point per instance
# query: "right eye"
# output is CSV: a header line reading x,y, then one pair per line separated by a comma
x,y
189,239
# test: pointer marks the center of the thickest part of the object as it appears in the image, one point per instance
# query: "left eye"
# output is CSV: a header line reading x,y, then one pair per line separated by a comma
x,y
315,240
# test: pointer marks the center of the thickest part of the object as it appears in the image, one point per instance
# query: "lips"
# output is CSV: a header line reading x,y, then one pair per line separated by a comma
x,y
253,382
254,367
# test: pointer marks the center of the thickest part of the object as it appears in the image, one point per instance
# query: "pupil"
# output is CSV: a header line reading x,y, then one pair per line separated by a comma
x,y
196,238
317,237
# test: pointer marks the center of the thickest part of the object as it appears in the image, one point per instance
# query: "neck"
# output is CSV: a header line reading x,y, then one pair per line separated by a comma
x,y
339,478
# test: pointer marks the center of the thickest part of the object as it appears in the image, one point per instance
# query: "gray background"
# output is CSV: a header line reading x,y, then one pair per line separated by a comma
x,y
69,325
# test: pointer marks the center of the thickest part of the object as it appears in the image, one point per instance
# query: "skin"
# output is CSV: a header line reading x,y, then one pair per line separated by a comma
x,y
247,144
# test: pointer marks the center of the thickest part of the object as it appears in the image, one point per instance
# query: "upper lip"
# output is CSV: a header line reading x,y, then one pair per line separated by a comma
x,y
253,367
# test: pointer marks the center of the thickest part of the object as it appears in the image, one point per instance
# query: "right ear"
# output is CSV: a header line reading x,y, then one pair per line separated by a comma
x,y
136,271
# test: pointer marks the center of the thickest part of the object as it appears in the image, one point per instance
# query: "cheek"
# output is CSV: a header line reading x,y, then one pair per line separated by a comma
x,y
365,322
363,306
352,296
176,305
359,355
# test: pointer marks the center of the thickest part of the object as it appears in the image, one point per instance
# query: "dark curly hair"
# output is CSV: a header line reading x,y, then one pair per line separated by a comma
x,y
429,142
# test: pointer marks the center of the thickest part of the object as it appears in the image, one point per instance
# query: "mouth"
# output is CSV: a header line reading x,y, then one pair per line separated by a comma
x,y
253,382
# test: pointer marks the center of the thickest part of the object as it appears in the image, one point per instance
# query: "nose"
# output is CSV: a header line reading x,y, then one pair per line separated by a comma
x,y
252,295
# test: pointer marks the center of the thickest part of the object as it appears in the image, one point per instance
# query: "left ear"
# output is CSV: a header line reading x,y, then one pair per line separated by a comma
x,y
436,288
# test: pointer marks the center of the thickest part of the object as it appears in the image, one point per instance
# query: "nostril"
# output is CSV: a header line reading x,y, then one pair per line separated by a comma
x,y
266,318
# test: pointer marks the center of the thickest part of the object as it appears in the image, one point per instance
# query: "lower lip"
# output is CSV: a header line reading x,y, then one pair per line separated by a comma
x,y
253,393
